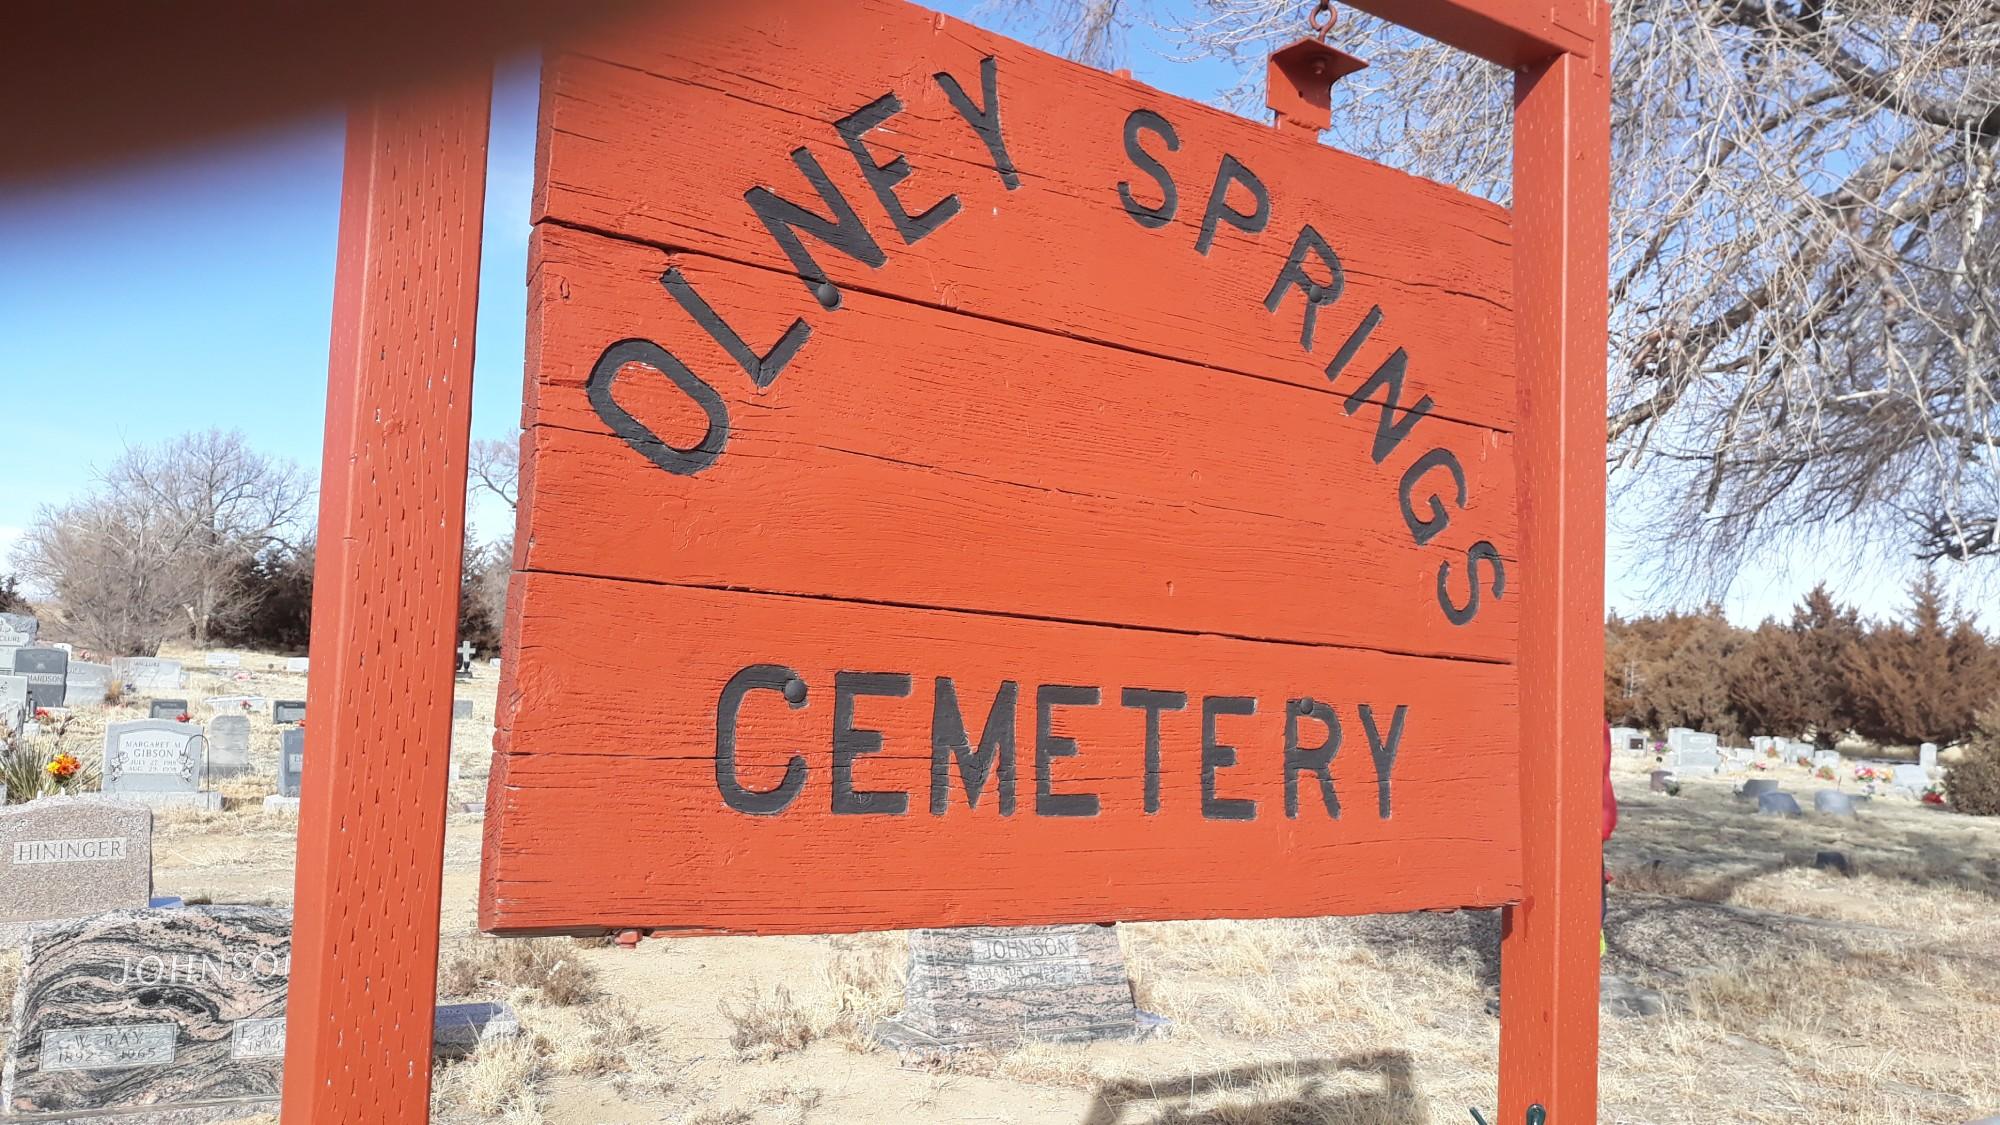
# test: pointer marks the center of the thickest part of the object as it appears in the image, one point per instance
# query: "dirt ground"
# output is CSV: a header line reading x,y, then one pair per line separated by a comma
x,y
1794,994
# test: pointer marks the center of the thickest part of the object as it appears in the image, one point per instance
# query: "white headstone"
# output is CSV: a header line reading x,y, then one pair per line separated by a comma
x,y
1927,755
1910,777
147,675
223,660
298,664
156,762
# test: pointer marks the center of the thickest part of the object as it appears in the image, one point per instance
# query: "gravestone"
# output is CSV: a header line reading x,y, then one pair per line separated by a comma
x,y
166,708
47,671
1694,757
1832,802
1659,780
147,675
1910,777
228,746
297,664
1758,786
18,630
62,857
156,762
7,660
236,702
1628,742
465,652
1761,743
152,1009
1927,756
461,708
288,710
13,701
1826,759
88,684
291,760
222,660
1674,737
1778,803
994,986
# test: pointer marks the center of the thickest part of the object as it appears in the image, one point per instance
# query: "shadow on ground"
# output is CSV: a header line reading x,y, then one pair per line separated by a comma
x,y
1295,1092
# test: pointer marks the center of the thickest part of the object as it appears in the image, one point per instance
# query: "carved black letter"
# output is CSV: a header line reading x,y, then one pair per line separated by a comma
x,y
1423,531
765,677
1294,276
975,768
1152,218
1479,552
844,232
1216,755
672,458
1315,759
761,368
849,743
1153,702
985,122
1048,747
884,177
1389,432
1232,171
1384,753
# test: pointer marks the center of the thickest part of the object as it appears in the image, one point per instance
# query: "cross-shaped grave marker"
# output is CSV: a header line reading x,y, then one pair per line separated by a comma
x,y
465,651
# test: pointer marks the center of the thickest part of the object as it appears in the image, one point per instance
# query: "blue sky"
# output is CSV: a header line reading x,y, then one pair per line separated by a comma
x,y
152,300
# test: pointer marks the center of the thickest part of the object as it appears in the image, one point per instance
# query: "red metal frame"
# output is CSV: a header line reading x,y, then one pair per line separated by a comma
x,y
386,595
385,609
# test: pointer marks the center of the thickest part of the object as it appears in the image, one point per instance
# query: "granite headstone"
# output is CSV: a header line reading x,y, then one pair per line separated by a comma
x,y
1758,786
61,857
291,760
298,665
1913,778
18,630
156,762
1659,780
147,675
1832,802
222,660
288,710
1628,742
13,700
147,1010
461,708
89,684
228,746
1927,756
1778,803
998,986
47,671
166,708
243,703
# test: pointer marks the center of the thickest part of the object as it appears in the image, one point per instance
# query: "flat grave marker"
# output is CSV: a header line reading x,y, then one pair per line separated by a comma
x,y
288,711
222,660
61,857
166,708
298,665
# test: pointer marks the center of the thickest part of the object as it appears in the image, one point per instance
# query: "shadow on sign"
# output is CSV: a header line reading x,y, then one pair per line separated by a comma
x,y
1298,1090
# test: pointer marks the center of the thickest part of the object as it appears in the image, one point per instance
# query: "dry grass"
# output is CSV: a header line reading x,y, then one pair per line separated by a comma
x,y
768,1025
552,968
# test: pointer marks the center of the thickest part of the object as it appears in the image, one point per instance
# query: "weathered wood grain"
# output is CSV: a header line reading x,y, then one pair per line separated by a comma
x,y
720,95
917,457
609,814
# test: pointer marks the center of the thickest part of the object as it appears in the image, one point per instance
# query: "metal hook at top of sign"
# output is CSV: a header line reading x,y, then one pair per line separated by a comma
x,y
1298,83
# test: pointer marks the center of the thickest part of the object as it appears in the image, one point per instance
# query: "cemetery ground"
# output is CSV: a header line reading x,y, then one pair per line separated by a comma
x,y
1792,993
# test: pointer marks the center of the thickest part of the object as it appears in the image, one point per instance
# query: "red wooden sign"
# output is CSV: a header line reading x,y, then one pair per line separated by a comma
x,y
961,486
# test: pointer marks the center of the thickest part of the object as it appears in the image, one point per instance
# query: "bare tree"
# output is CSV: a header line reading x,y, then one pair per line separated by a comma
x,y
222,503
1806,252
113,570
496,467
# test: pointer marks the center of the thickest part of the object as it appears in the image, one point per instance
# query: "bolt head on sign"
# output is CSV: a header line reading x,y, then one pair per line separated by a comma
x,y
966,487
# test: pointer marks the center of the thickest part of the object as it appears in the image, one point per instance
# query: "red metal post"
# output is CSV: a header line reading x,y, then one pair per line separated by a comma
x,y
1549,948
385,609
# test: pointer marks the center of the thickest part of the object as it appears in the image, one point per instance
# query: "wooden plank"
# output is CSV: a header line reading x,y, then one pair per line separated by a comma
x,y
1081,482
611,814
1549,949
385,609
1512,33
688,98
